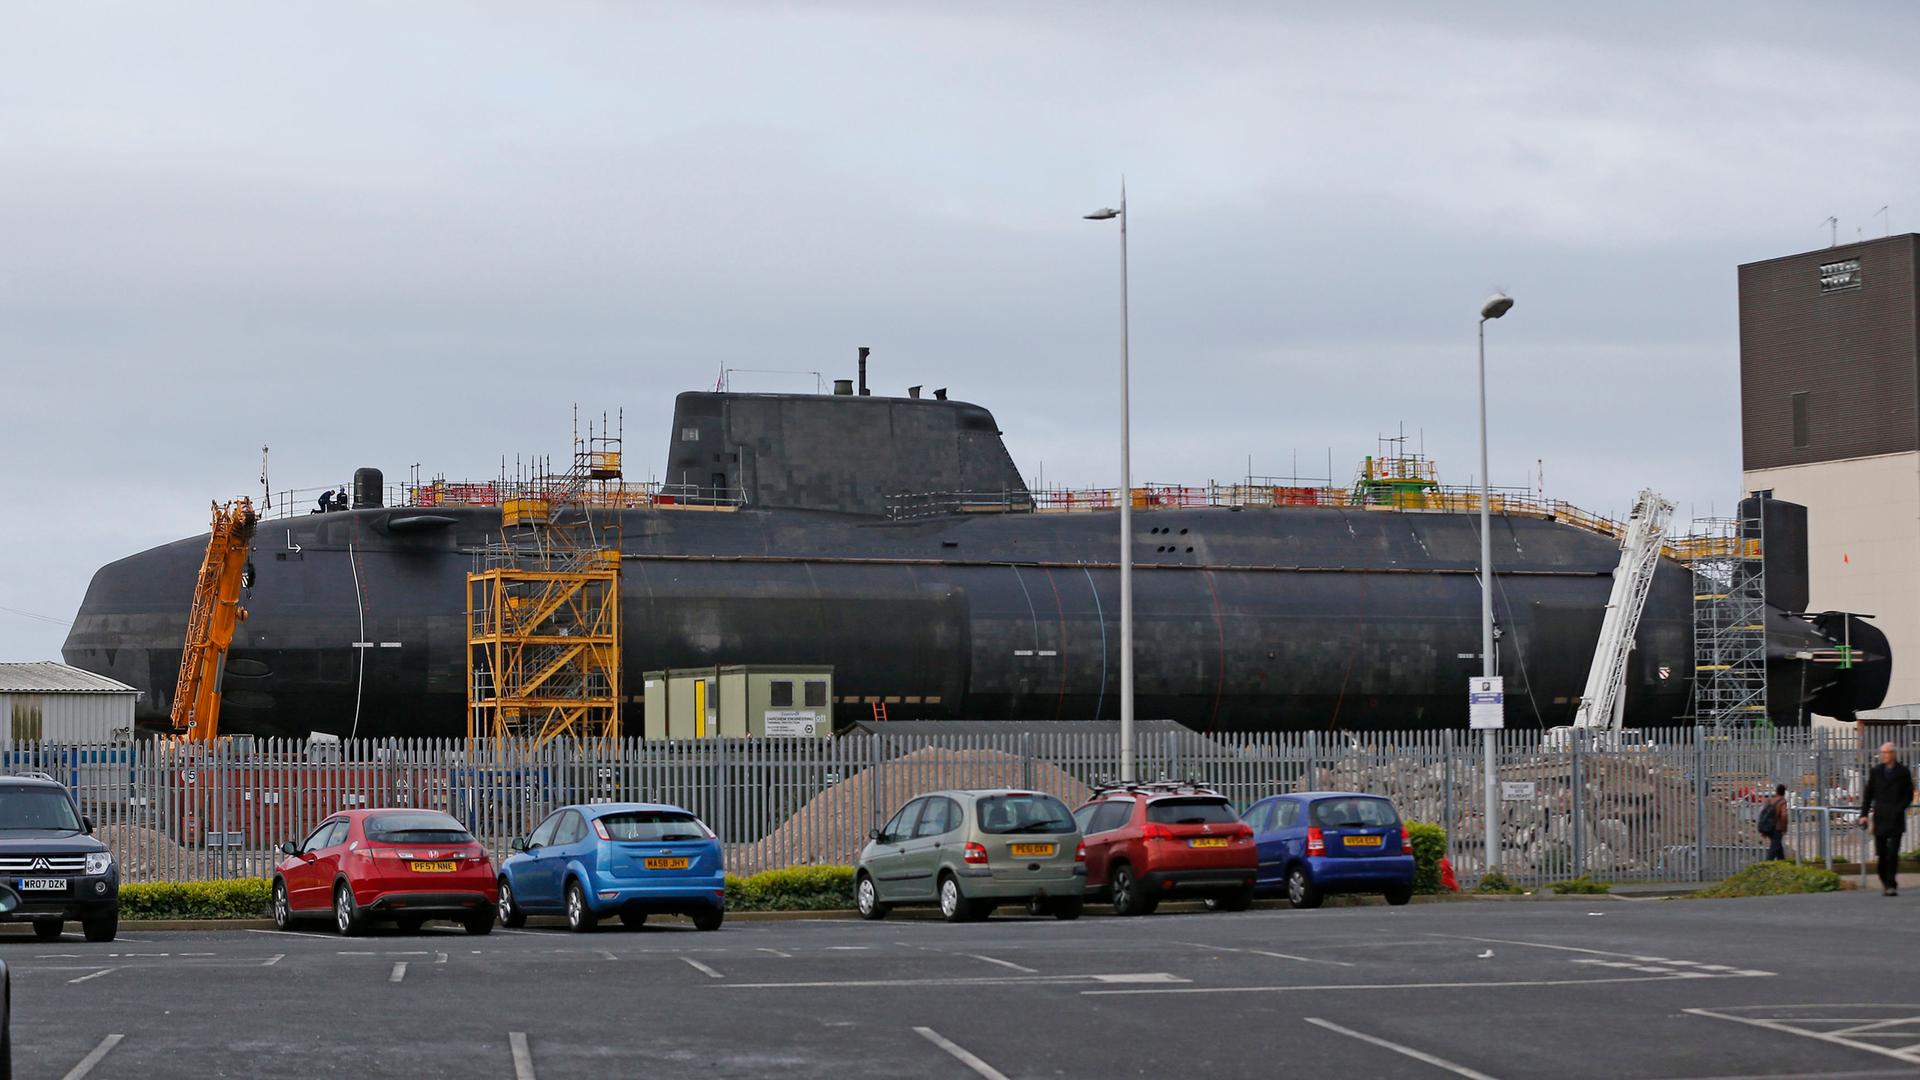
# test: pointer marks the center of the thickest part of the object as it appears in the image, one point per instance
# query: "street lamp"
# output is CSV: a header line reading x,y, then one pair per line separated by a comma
x,y
1126,506
1497,305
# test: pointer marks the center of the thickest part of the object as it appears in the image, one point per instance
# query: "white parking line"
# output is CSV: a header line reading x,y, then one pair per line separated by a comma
x,y
1002,963
294,933
1263,952
399,972
1417,1055
95,975
1420,986
701,968
962,1054
276,958
1792,1026
778,953
607,954
92,1059
522,1057
528,933
985,980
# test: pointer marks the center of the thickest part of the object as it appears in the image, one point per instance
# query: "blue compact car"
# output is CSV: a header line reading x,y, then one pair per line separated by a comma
x,y
628,860
1321,842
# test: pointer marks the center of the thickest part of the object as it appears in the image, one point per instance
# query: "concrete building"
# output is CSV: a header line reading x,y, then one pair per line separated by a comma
x,y
1830,418
45,702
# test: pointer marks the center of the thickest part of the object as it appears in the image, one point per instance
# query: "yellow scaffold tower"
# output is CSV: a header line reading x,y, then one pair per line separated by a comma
x,y
543,609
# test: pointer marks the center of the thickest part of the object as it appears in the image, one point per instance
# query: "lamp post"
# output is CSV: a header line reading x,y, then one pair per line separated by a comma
x,y
1126,506
1497,305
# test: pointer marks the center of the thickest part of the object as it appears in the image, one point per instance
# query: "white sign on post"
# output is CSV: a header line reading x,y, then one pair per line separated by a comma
x,y
1486,702
1517,790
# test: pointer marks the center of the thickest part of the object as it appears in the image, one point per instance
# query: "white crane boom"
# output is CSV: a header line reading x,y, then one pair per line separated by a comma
x,y
1603,704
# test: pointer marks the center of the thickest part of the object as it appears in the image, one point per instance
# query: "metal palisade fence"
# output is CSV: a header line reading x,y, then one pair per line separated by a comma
x,y
1668,805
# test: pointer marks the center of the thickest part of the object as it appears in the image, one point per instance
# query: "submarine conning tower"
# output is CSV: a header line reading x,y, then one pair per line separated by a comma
x,y
845,453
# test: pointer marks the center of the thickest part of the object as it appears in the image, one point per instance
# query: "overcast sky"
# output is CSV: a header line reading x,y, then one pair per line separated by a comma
x,y
380,234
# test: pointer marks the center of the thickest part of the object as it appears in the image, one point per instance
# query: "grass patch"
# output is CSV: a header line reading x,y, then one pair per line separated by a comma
x,y
245,898
1773,879
1495,882
795,888
1581,886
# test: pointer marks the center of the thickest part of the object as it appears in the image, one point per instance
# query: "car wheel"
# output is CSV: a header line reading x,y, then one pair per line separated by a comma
x,y
633,920
954,905
1300,890
1069,909
1128,897
708,919
102,929
410,924
282,907
1237,900
511,916
580,917
47,929
1399,894
346,913
867,898
479,924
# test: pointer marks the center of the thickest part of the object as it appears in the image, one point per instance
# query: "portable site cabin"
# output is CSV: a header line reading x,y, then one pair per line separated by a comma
x,y
740,701
45,702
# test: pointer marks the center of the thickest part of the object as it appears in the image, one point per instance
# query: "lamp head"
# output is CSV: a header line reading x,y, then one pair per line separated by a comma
x,y
1497,305
1105,213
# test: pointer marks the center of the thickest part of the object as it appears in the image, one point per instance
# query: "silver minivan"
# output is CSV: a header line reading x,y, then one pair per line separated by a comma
x,y
970,851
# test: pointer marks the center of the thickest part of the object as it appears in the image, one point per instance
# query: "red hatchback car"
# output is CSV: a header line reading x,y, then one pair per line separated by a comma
x,y
1149,842
405,865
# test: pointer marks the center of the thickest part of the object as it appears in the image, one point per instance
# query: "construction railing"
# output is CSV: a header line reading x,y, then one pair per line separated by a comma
x,y
1657,806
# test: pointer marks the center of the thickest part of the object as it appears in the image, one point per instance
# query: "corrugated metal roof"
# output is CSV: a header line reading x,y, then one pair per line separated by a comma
x,y
47,677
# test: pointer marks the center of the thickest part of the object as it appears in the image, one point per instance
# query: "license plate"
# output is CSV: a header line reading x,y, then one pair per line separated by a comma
x,y
1032,849
666,864
43,884
434,867
1210,841
1363,841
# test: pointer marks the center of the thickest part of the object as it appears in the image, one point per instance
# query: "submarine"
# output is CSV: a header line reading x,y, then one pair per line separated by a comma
x,y
895,539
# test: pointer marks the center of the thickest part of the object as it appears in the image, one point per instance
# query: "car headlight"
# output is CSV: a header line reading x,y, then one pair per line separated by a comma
x,y
99,862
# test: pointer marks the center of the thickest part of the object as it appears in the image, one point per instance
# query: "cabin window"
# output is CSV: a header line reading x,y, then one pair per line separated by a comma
x,y
780,694
816,693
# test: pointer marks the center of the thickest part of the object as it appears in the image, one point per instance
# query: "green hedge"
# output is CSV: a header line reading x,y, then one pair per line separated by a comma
x,y
1582,885
1774,879
246,898
796,888
1429,847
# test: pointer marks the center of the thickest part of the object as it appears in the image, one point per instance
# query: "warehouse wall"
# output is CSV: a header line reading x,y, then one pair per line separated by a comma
x,y
92,717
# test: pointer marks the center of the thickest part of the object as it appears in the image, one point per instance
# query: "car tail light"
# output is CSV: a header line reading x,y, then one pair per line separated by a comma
x,y
1153,830
1406,841
975,854
1316,841
600,829
1080,853
1241,832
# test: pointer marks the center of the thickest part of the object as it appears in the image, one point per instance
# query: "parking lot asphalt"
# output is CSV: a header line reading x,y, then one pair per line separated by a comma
x,y
1791,986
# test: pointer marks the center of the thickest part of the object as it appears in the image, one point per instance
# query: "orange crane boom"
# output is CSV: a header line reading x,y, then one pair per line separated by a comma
x,y
216,614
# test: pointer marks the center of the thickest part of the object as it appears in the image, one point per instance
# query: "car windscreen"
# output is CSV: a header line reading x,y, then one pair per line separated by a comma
x,y
1002,814
1354,814
417,827
37,808
653,826
1191,811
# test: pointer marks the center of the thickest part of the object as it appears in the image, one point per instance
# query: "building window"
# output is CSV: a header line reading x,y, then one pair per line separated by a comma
x,y
780,694
816,694
1799,420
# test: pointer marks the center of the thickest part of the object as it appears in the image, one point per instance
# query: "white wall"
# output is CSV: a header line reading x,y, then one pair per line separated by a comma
x,y
90,718
1863,547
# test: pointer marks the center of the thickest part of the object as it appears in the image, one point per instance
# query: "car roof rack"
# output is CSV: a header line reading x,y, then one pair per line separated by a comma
x,y
30,775
1155,787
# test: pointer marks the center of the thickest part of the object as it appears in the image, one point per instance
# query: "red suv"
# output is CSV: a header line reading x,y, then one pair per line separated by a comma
x,y
404,865
1149,842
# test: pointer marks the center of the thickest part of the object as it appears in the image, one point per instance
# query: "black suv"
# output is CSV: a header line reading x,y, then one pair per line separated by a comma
x,y
49,856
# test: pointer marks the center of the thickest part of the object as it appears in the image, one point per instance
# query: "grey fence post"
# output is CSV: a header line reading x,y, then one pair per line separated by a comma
x,y
1820,798
1700,803
1446,751
1174,771
879,778
1026,760
224,791
1579,817
720,768
1313,754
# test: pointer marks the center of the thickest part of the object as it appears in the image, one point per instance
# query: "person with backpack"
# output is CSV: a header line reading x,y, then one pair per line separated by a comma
x,y
1773,823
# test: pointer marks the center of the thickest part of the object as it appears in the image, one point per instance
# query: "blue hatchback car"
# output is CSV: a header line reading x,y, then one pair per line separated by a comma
x,y
628,860
1321,842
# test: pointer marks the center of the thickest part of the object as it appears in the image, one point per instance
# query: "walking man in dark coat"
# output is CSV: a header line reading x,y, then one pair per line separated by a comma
x,y
1883,807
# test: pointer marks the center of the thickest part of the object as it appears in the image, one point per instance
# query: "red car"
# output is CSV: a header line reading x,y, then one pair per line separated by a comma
x,y
1149,842
405,865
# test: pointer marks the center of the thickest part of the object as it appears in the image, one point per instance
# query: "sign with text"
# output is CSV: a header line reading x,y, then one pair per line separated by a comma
x,y
1486,702
793,723
1517,790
